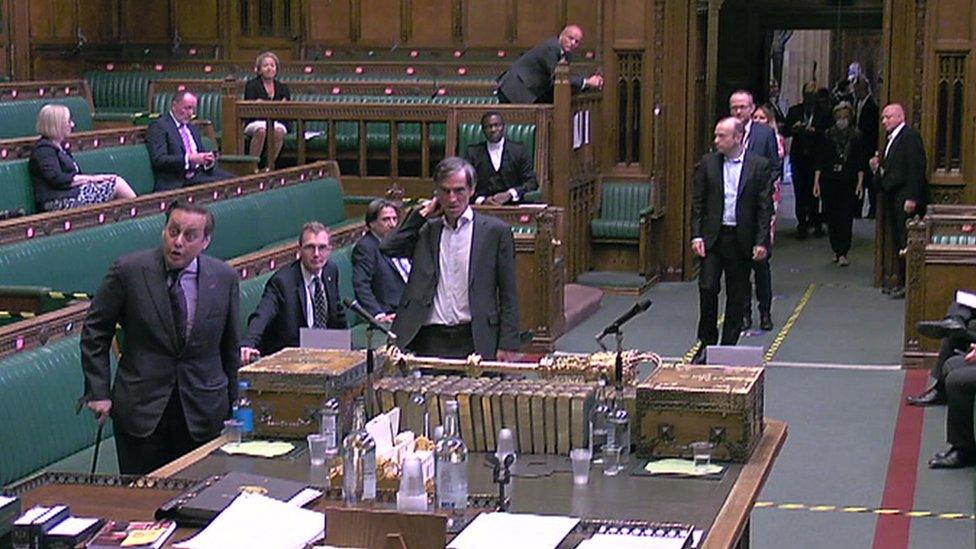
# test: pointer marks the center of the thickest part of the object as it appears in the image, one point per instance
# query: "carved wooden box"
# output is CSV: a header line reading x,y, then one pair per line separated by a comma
x,y
681,404
287,389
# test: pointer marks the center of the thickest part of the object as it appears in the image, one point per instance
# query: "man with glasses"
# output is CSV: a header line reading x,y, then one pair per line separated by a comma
x,y
461,296
303,294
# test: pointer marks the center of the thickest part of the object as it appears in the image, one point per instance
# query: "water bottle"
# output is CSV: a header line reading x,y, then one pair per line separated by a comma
x,y
329,427
358,460
243,411
451,468
598,422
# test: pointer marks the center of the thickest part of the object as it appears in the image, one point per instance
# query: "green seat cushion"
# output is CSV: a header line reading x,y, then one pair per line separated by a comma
x,y
39,387
620,210
19,118
130,161
16,188
251,290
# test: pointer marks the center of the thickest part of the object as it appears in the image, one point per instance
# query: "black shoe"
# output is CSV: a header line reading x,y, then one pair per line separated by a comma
x,y
954,458
746,322
699,357
930,397
938,329
898,293
765,322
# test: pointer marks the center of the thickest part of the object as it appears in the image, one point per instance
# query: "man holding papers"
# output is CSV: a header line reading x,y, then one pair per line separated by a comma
x,y
304,294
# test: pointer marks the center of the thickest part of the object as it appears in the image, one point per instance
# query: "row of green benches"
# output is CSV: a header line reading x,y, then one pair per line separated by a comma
x,y
39,386
132,161
120,94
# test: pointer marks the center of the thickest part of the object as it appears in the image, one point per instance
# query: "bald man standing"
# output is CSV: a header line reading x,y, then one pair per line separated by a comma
x,y
731,207
900,171
530,78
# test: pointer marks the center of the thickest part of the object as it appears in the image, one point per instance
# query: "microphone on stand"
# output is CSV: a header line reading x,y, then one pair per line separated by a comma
x,y
355,307
615,326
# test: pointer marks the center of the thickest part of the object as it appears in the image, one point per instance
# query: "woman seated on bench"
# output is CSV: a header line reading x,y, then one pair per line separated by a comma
x,y
265,87
58,182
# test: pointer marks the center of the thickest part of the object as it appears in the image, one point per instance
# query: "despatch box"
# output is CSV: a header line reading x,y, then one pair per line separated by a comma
x,y
287,389
681,404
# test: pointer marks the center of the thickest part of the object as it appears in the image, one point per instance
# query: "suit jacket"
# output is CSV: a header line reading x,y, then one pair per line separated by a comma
x,y
167,154
529,79
753,208
805,146
516,170
276,322
254,89
135,295
376,280
762,141
52,170
903,169
492,293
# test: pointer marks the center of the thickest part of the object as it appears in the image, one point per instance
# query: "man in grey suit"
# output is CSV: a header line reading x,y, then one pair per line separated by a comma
x,y
530,78
461,296
177,376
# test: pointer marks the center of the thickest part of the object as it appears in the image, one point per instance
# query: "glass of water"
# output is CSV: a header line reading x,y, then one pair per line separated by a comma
x,y
611,460
701,454
580,457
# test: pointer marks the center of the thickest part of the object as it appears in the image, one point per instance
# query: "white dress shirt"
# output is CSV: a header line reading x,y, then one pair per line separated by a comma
x,y
451,304
891,137
309,278
731,174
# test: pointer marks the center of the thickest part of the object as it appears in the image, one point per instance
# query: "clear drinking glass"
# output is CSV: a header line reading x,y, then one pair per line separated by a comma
x,y
580,457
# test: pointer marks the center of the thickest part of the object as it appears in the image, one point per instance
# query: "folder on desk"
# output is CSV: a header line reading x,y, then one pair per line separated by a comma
x,y
200,504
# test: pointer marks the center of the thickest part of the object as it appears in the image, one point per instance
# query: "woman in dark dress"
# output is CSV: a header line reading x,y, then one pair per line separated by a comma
x,y
839,179
58,182
265,87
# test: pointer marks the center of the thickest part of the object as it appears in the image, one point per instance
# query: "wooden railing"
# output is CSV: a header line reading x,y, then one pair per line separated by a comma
x,y
576,138
941,259
45,89
362,182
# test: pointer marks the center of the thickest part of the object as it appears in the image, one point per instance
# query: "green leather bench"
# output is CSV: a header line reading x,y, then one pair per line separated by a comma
x,y
19,118
244,224
129,161
621,207
38,391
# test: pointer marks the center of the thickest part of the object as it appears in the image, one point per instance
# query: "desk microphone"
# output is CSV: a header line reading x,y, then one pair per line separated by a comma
x,y
614,327
355,307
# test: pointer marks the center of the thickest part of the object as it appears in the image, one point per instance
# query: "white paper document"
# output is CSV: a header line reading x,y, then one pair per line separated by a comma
x,y
321,338
966,298
501,530
259,522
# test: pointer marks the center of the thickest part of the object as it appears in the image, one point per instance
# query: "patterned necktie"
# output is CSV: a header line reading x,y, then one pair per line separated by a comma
x,y
188,147
320,312
177,300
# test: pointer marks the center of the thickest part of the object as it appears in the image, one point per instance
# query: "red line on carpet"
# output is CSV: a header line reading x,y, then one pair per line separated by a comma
x,y
891,531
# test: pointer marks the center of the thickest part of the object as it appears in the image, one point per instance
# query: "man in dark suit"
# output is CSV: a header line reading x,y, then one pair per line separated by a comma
x,y
960,393
956,333
504,170
806,124
304,294
177,376
900,173
530,78
378,279
759,139
461,297
176,151
868,119
730,215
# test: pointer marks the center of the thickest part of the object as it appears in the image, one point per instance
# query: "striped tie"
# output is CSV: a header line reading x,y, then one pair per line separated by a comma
x,y
320,312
